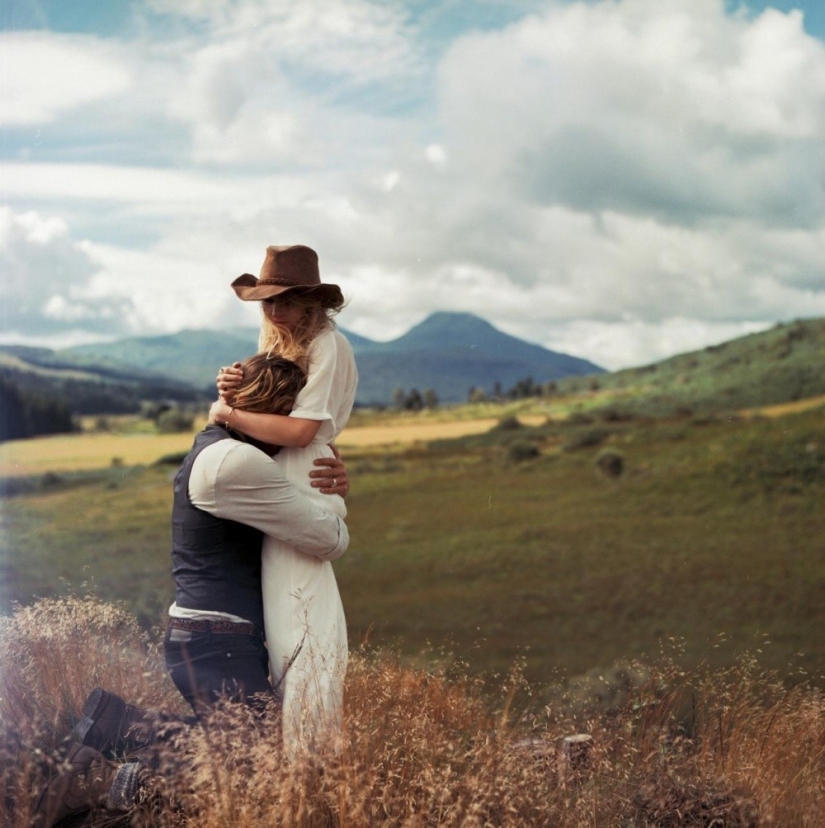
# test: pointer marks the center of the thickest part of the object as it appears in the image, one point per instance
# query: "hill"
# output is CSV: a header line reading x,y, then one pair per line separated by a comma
x,y
780,365
89,386
447,352
450,353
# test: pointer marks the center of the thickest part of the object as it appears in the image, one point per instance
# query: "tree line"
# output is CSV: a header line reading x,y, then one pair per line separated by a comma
x,y
415,400
28,413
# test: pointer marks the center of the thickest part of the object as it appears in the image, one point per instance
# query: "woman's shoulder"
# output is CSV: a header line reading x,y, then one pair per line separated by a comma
x,y
331,340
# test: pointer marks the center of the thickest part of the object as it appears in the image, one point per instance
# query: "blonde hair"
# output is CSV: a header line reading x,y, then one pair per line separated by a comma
x,y
294,345
270,385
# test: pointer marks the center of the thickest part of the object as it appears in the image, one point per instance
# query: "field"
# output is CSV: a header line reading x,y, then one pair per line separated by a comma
x,y
470,550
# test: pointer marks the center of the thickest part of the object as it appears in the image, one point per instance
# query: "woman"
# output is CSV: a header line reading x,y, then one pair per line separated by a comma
x,y
303,615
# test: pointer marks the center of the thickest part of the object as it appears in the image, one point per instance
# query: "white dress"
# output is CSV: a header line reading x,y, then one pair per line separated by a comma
x,y
306,630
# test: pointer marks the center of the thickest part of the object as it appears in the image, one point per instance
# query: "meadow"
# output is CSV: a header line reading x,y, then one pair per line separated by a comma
x,y
656,583
504,545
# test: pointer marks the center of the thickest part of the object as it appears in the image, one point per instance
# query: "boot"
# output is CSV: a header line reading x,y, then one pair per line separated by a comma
x,y
111,726
86,780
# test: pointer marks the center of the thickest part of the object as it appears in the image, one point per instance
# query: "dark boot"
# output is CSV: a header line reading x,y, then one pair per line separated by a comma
x,y
113,727
86,780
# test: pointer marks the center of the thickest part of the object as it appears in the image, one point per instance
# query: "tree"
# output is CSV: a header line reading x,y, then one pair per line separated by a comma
x,y
11,411
26,414
414,401
430,398
399,398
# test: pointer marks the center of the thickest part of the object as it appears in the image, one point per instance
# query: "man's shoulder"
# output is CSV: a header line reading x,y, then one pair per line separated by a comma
x,y
232,458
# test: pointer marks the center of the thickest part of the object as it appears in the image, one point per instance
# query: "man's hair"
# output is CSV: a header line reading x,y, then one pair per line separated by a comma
x,y
270,385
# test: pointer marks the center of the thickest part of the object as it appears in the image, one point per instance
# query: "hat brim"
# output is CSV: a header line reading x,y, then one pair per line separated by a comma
x,y
248,289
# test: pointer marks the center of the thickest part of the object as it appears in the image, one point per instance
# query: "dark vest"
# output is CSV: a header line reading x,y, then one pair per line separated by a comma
x,y
216,563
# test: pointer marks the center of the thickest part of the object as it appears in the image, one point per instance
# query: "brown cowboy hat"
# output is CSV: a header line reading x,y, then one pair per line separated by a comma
x,y
288,268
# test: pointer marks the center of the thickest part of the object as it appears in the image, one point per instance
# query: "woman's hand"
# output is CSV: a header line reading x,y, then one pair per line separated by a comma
x,y
228,380
332,477
219,413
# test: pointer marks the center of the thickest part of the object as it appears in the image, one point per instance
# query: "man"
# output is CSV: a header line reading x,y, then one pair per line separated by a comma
x,y
227,495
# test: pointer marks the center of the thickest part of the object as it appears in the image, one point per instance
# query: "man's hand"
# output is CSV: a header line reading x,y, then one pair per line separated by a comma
x,y
331,478
228,380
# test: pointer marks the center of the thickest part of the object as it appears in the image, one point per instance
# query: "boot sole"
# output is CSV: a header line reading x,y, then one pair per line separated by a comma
x,y
90,707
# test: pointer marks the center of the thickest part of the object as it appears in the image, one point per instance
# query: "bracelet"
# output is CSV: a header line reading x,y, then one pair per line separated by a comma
x,y
231,412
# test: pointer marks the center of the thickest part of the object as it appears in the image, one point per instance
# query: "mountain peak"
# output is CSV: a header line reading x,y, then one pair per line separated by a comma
x,y
445,329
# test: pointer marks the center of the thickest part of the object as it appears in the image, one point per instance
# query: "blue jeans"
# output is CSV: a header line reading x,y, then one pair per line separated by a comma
x,y
207,666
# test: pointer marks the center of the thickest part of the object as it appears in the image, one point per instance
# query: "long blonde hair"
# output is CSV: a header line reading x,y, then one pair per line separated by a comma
x,y
294,345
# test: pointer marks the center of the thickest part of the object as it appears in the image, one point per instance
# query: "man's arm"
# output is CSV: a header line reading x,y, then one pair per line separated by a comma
x,y
236,481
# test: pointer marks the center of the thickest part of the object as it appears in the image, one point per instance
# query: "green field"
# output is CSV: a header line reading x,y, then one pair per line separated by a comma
x,y
709,542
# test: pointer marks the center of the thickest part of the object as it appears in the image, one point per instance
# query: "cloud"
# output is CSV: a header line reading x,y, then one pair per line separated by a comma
x,y
46,75
48,286
618,178
666,108
274,82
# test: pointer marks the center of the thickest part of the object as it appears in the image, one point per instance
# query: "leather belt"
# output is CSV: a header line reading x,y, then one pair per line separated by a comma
x,y
214,626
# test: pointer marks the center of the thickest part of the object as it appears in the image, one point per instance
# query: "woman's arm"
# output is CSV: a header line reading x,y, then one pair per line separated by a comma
x,y
275,429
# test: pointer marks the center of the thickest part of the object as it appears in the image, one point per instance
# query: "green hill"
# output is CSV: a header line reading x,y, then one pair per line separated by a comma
x,y
775,366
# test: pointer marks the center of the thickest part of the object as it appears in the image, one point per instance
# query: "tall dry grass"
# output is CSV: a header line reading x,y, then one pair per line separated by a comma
x,y
709,748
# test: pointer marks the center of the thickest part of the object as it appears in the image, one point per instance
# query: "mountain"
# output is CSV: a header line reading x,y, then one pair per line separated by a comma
x,y
454,352
190,356
447,352
89,385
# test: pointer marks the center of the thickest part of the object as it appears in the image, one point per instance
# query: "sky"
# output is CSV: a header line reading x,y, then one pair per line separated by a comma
x,y
621,180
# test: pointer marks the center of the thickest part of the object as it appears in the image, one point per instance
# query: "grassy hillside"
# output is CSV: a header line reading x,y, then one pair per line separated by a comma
x,y
90,386
711,538
775,366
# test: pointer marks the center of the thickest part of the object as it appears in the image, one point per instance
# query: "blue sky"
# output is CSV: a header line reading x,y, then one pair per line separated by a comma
x,y
618,179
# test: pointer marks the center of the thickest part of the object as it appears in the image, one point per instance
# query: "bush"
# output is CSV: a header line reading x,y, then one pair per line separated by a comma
x,y
610,463
587,439
175,420
521,451
509,423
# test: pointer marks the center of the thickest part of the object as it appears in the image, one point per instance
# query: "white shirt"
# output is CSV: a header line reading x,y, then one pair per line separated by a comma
x,y
236,481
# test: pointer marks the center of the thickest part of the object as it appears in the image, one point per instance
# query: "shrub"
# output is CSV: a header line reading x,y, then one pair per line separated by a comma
x,y
610,463
521,451
174,420
779,463
509,423
587,439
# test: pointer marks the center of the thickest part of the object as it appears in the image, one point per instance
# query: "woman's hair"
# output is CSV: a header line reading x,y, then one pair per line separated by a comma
x,y
294,345
270,385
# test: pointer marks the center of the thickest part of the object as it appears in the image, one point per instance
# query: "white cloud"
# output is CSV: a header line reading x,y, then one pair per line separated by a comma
x,y
47,284
46,75
618,179
668,107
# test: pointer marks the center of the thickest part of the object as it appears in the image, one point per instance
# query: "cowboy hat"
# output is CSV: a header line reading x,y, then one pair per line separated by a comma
x,y
288,268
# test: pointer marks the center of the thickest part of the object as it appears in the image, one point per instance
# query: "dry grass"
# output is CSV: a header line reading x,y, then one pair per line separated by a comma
x,y
709,748
82,452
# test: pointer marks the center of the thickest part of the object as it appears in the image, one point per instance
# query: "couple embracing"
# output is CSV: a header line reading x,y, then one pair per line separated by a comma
x,y
257,518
